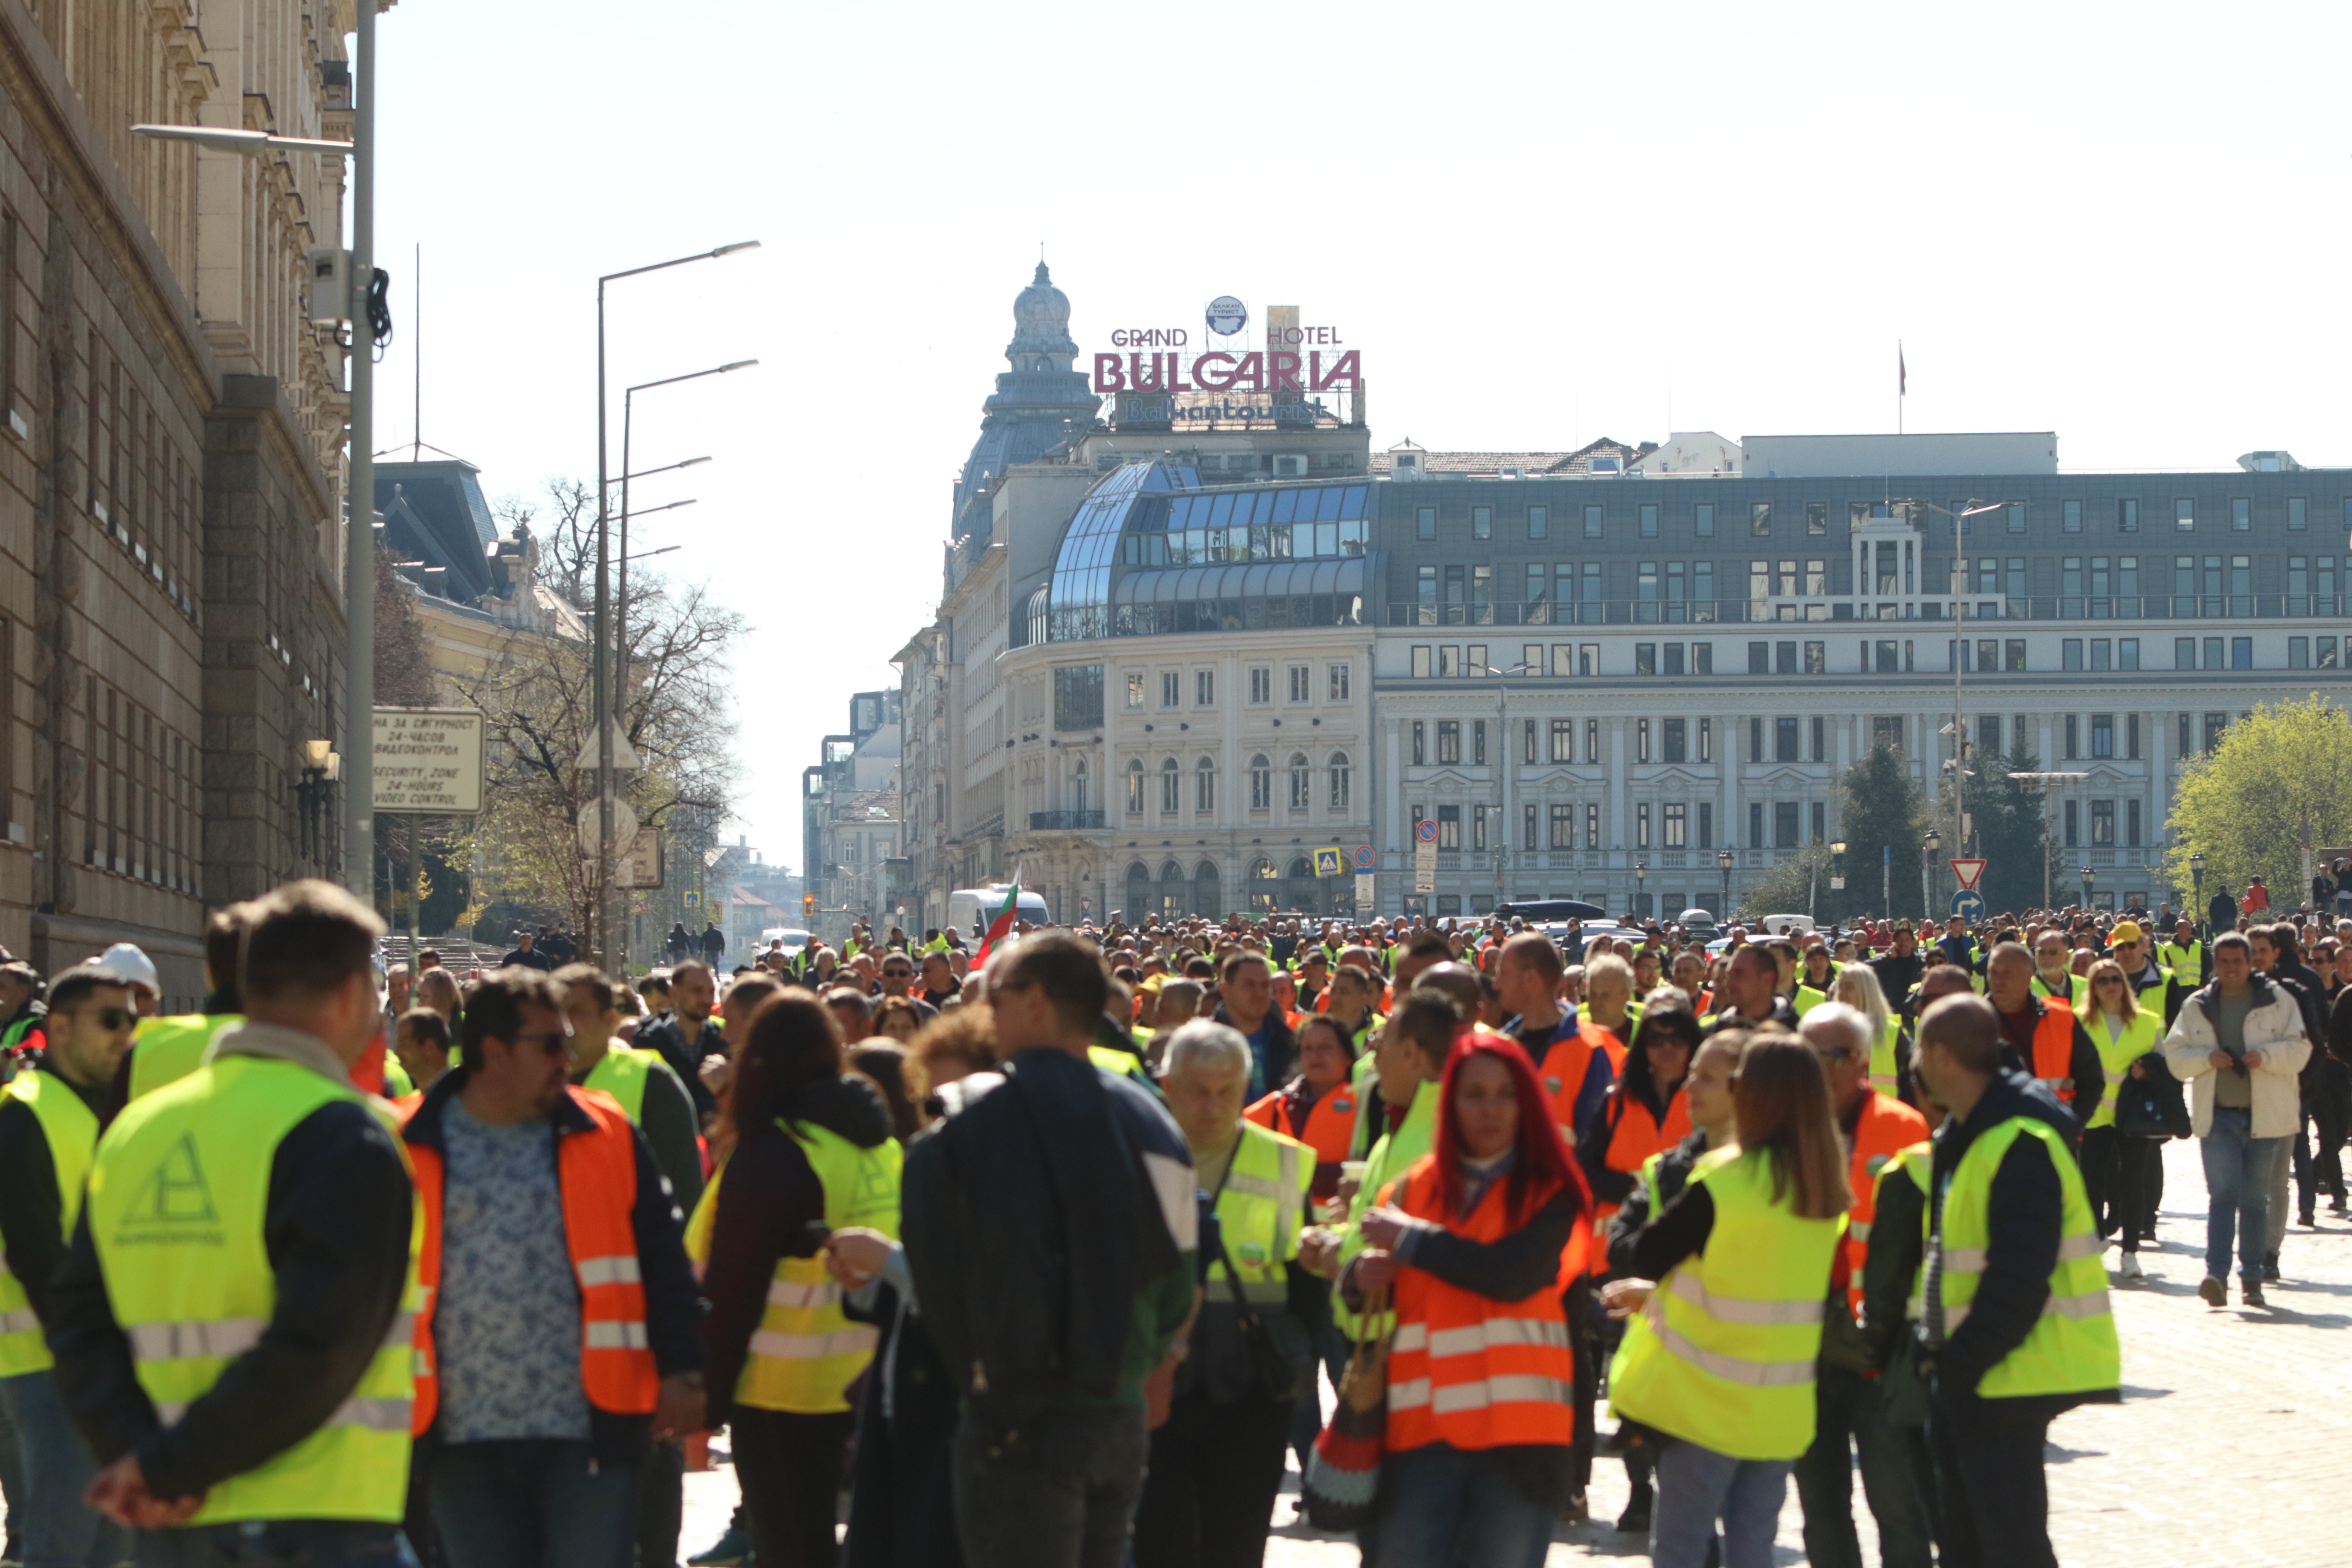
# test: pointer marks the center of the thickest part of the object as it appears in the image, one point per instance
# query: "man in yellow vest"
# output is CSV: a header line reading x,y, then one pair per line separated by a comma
x,y
561,1331
2015,1326
231,1326
165,1049
1216,1463
48,1127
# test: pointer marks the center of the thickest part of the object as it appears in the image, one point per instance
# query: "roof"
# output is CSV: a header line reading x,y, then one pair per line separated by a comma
x,y
1531,464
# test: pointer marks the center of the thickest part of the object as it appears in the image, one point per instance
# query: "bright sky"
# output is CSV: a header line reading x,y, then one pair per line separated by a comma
x,y
1540,224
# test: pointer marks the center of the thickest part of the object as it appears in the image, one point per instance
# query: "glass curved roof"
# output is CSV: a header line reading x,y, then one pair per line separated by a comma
x,y
1079,605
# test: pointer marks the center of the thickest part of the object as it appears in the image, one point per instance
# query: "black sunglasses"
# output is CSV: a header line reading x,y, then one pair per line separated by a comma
x,y
115,1017
554,1042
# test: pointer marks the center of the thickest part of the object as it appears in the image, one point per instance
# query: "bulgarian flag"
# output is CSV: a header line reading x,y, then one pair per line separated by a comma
x,y
1000,926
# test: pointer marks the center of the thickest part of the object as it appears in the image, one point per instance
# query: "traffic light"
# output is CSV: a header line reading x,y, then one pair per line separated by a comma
x,y
808,904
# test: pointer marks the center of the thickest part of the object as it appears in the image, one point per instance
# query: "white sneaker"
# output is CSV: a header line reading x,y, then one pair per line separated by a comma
x,y
2130,1268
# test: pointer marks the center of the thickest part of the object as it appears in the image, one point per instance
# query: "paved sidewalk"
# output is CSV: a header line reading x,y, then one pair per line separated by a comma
x,y
2228,1451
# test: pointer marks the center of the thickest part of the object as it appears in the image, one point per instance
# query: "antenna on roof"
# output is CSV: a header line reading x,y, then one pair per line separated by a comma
x,y
417,348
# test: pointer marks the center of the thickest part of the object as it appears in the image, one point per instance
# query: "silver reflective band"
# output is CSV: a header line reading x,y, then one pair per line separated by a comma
x,y
23,1321
1737,1310
774,1346
1859,1229
1516,1390
620,1269
791,1293
1253,1186
2070,1249
615,1336
213,1339
369,1415
1473,1338
1409,1337
2089,1304
1730,1368
1412,1396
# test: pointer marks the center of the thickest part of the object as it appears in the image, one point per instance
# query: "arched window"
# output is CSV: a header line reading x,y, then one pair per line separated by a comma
x,y
1170,801
1340,781
1204,786
1140,905
1175,891
1263,890
1261,783
1135,787
1301,785
1208,893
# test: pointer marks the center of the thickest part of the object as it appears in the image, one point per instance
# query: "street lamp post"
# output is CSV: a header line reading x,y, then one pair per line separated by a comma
x,y
2088,876
621,628
1814,883
1640,888
604,638
1933,842
1724,859
2197,880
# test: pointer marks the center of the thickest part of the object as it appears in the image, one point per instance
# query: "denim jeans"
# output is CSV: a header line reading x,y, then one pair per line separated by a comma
x,y
1850,1421
1058,1492
1698,1486
2238,1168
57,1530
535,1502
275,1544
1447,1505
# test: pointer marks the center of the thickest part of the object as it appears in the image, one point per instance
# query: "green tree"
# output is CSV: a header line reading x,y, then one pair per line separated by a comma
x,y
2011,833
2279,773
1783,890
1881,816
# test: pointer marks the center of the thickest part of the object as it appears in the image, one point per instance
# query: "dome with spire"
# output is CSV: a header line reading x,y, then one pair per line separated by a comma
x,y
1040,402
1040,327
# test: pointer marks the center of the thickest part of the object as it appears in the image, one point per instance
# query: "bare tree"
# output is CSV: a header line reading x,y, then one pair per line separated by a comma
x,y
562,517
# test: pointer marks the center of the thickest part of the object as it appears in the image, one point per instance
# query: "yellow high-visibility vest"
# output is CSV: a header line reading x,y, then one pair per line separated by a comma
x,y
806,1352
70,1130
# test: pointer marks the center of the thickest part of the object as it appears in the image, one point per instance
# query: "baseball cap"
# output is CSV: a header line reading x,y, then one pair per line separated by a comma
x,y
2127,930
129,966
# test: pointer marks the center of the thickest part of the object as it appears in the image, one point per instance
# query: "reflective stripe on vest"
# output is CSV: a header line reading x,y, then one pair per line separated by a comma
x,y
2143,1033
1392,1154
1724,1353
2054,1052
1258,1210
622,1073
596,1173
69,1129
192,1164
1464,1368
2071,1347
1885,1075
806,1352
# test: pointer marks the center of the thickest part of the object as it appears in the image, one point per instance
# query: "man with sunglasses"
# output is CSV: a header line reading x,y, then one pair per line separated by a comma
x,y
48,1127
561,1332
898,979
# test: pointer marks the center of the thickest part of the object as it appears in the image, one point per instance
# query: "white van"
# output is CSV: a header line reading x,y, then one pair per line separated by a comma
x,y
971,909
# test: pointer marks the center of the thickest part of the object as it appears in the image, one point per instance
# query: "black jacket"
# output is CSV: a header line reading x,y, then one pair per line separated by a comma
x,y
673,1307
29,1206
684,1055
528,958
2024,1222
1645,1199
1281,1046
336,1227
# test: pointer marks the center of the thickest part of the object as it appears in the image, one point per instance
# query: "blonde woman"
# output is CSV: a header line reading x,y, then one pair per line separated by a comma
x,y
2114,1163
1857,987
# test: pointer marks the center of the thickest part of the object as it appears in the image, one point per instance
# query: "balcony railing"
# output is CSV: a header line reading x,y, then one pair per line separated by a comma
x,y
1865,609
1065,821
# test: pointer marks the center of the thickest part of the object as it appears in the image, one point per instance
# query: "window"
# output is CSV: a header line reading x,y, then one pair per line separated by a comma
x,y
1527,751
1079,696
2014,660
2072,512
2103,735
1482,522
1169,687
1587,660
1592,523
1135,689
1261,783
1337,689
2328,652
1674,739
1478,743
1820,729
1135,788
1419,745
1421,662
1706,742
1262,685
2131,738
1703,519
1592,826
2103,653
1562,830
1204,786
1449,661
1449,741
1476,661
2242,653
2073,823
2181,743
1649,515
1341,783
2184,515
2015,513
1591,741
1886,729
1204,689
2298,653
1479,828
2128,516
1171,788
1642,825
1538,526
1701,658
1817,517
1302,683
2184,653
1755,739
1759,659
1527,827
2242,515
1988,734
1302,782
1641,740
1563,739
1784,659
1449,828
2213,654
1756,824
2069,653
1645,658
1786,823
2074,746
1424,523
2215,723
1786,740
2298,514
1759,519
1821,822
1817,659
2131,823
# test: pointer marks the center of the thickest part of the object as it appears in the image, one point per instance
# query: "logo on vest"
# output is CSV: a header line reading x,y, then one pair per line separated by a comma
x,y
173,1201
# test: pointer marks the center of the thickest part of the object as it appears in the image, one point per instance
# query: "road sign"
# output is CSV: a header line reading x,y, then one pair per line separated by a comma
x,y
1837,884
693,900
1968,904
1967,871
428,760
1331,862
1365,858
1425,830
1424,862
624,756
1364,895
638,864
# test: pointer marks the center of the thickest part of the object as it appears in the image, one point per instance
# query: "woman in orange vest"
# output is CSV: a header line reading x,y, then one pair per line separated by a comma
x,y
1318,1106
1476,1242
1646,1113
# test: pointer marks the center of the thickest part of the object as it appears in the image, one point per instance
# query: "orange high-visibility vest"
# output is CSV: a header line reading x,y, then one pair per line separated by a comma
x,y
1888,1128
1637,1136
1464,1368
597,1171
2053,1051
1563,1069
1330,1127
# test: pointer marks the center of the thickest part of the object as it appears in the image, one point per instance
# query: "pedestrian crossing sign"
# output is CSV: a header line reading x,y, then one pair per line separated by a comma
x,y
1331,862
693,900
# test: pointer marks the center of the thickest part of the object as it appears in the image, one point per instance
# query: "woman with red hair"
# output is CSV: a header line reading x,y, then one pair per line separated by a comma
x,y
1476,1242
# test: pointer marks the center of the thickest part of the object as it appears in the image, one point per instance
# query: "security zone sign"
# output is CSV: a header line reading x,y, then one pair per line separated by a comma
x,y
1424,855
428,760
1331,862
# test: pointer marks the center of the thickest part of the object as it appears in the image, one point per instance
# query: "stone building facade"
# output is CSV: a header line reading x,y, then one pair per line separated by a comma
x,y
171,620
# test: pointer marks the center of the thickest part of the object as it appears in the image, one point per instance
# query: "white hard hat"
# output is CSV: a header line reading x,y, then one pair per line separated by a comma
x,y
128,965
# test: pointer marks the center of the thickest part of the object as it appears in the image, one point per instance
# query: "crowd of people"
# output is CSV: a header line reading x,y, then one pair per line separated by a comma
x,y
1045,1251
